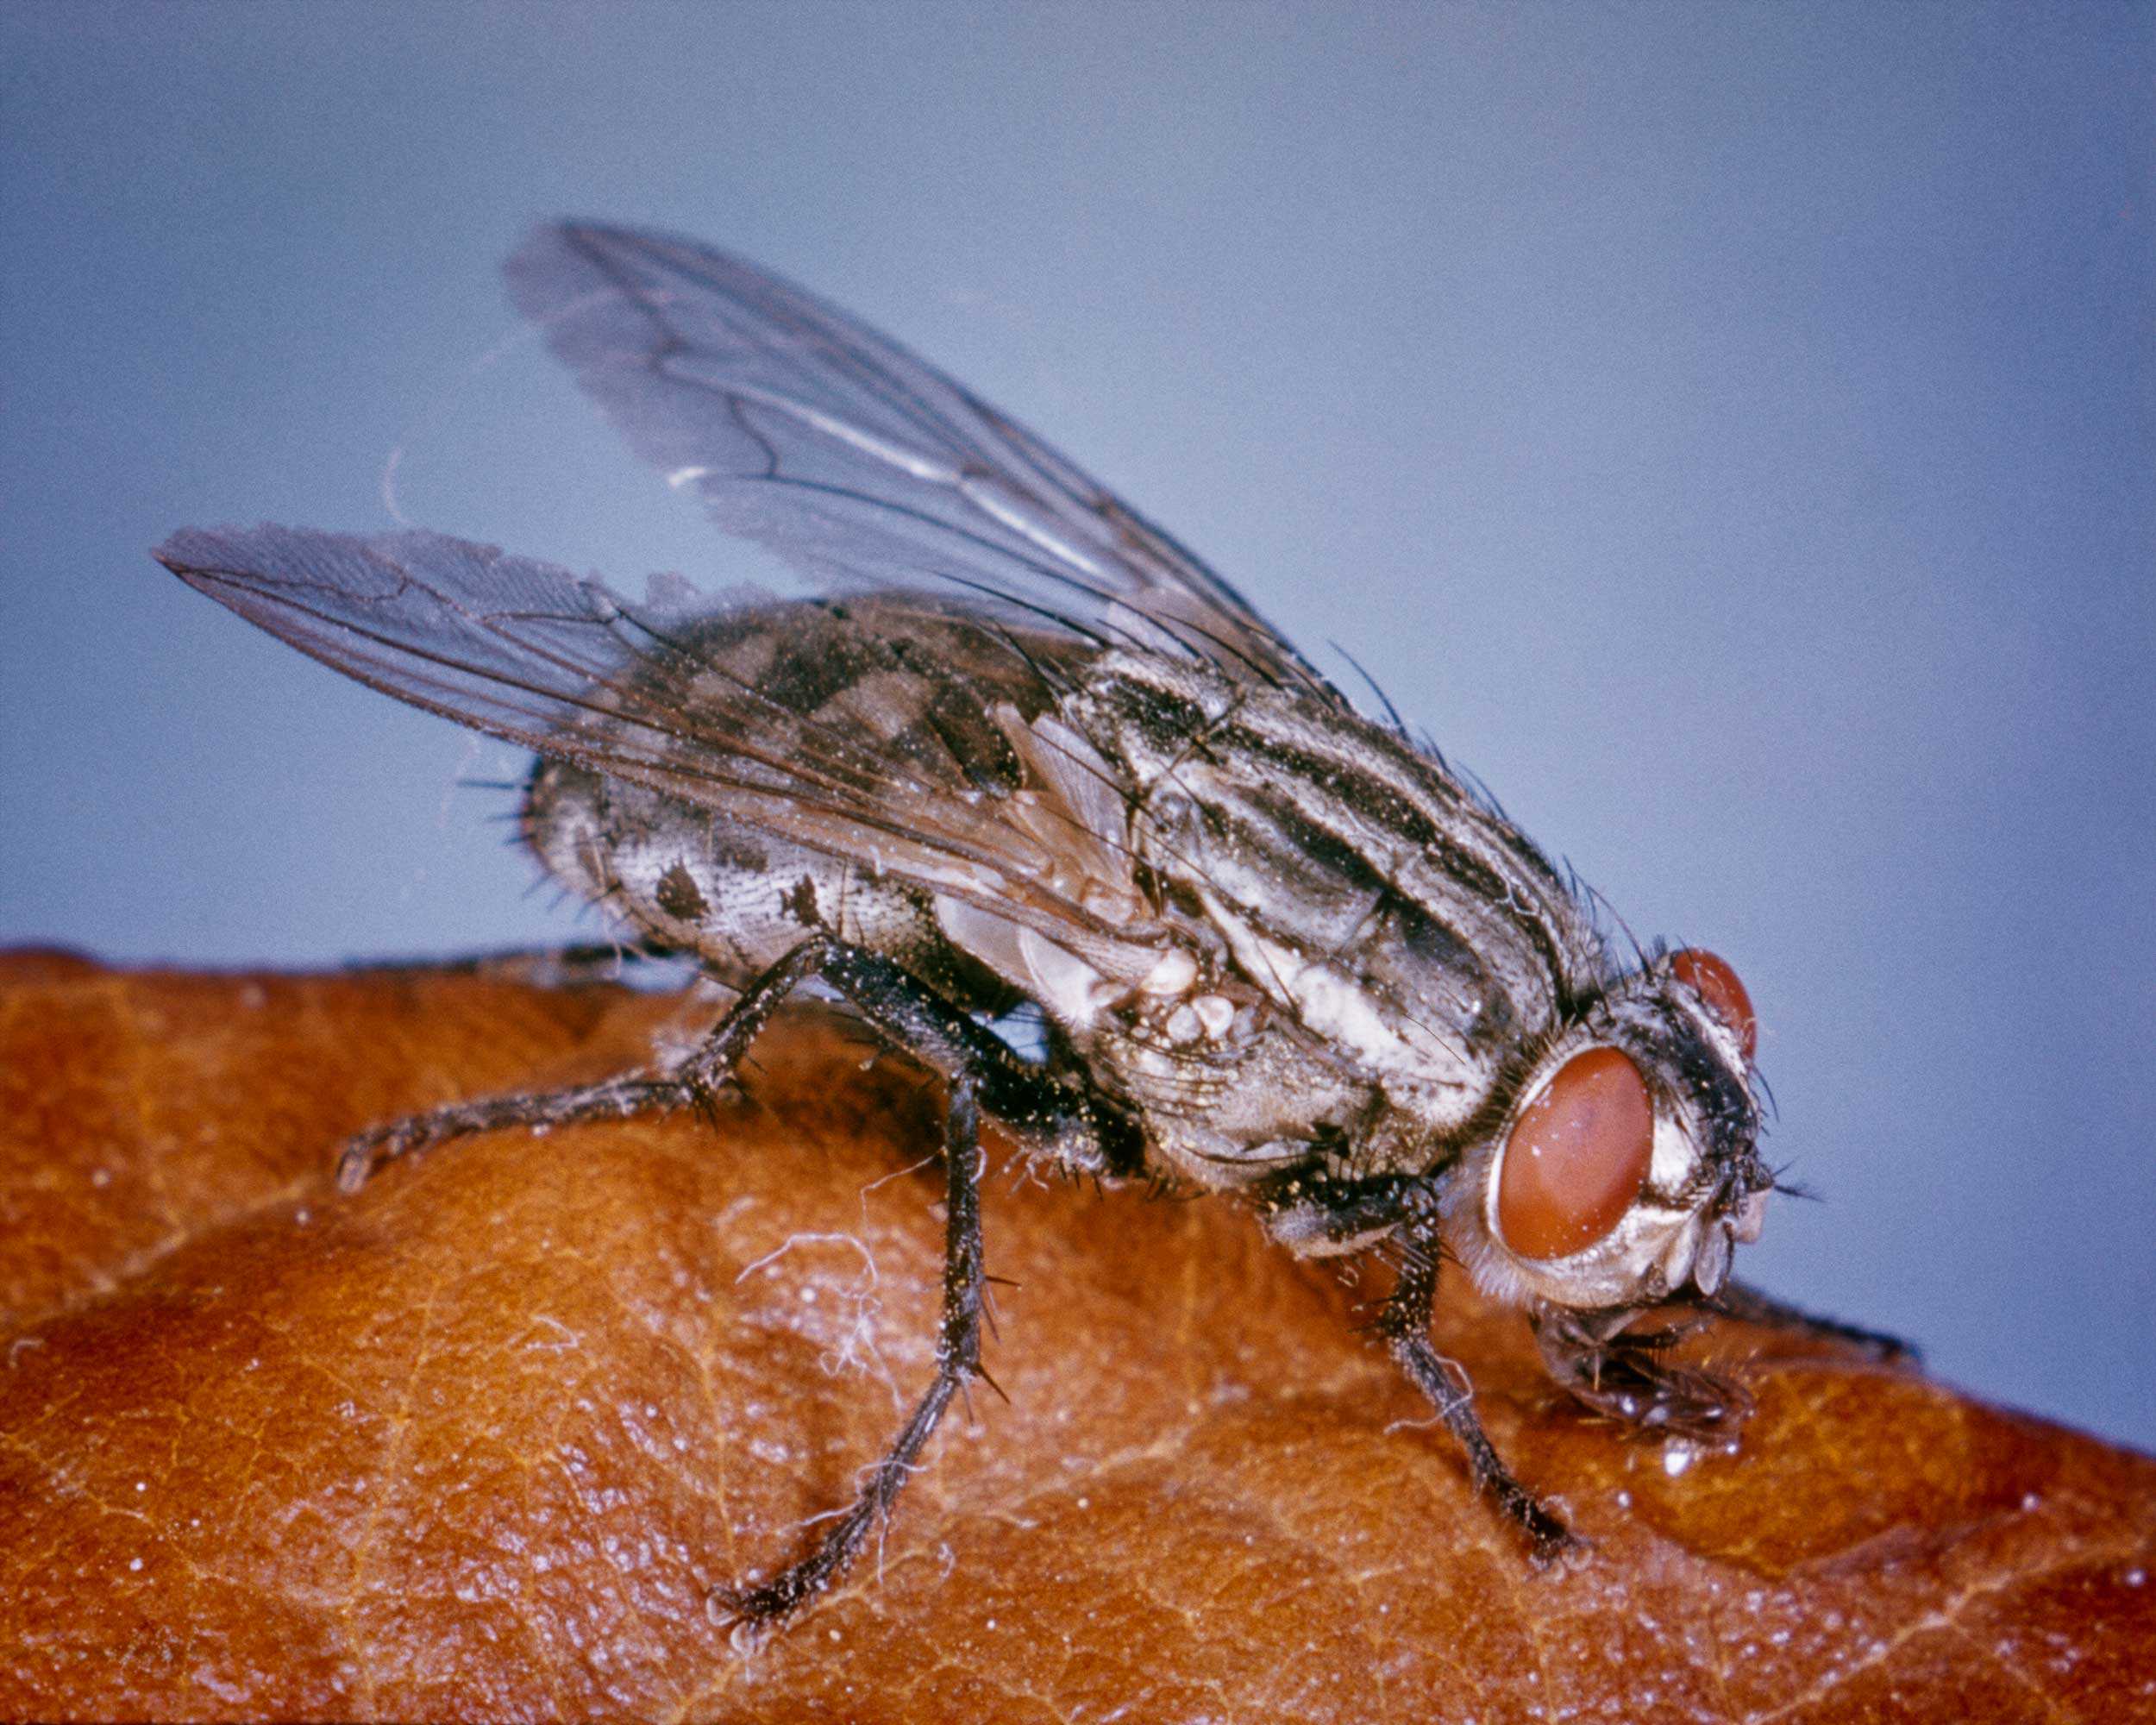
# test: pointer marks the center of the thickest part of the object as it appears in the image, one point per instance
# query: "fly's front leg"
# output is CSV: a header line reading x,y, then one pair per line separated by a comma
x,y
1316,1218
957,1359
1405,1325
1629,1375
1748,1305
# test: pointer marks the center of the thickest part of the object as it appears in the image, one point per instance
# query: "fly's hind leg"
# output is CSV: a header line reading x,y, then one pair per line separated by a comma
x,y
618,1099
694,1081
1057,1119
1054,1116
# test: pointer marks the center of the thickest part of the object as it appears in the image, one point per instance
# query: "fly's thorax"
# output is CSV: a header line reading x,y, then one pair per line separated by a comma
x,y
1407,930
1623,1165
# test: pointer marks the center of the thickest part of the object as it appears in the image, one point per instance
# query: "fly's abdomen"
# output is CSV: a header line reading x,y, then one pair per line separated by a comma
x,y
738,899
841,763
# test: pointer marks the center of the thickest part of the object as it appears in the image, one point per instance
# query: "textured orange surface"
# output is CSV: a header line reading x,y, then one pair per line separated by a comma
x,y
476,1442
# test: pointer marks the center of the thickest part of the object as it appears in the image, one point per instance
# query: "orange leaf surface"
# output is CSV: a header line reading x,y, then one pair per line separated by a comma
x,y
477,1442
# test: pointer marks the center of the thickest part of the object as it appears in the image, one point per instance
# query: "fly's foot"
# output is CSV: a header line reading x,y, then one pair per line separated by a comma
x,y
1629,1375
752,1612
1561,1551
711,1097
363,1152
617,1099
1551,1544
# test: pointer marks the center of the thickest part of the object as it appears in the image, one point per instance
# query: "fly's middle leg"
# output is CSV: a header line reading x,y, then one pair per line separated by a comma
x,y
985,1077
957,1359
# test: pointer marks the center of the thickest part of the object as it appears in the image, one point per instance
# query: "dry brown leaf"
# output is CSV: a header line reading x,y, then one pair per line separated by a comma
x,y
477,1442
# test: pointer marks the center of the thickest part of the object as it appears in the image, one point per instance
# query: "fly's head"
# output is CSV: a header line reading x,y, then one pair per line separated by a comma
x,y
1624,1173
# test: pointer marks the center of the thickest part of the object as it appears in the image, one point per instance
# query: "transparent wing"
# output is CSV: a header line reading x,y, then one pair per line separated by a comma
x,y
906,753
855,461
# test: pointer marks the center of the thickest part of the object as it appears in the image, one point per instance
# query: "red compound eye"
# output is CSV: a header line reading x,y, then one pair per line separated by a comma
x,y
1577,1157
1714,982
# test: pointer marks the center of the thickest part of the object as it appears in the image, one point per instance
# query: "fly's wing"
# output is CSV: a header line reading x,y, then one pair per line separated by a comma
x,y
855,461
947,766
956,777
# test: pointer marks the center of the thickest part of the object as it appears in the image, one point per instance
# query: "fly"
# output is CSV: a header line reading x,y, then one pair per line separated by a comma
x,y
1022,747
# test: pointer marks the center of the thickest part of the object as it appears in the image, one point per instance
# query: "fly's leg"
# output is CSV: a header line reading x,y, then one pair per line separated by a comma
x,y
985,1077
1058,1118
1048,1112
545,967
695,1081
1627,1375
1748,1305
1316,1217
1405,1325
957,1359
618,1099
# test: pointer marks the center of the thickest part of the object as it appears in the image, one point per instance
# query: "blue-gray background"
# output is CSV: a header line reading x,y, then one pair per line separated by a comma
x,y
1728,429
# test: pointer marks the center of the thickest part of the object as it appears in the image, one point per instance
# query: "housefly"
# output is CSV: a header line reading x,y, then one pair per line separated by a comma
x,y
1020,746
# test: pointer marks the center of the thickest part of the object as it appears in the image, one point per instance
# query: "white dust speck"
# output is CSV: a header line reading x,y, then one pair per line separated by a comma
x,y
2030,1501
1623,1500
134,1563
2135,1578
1677,1458
142,1485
